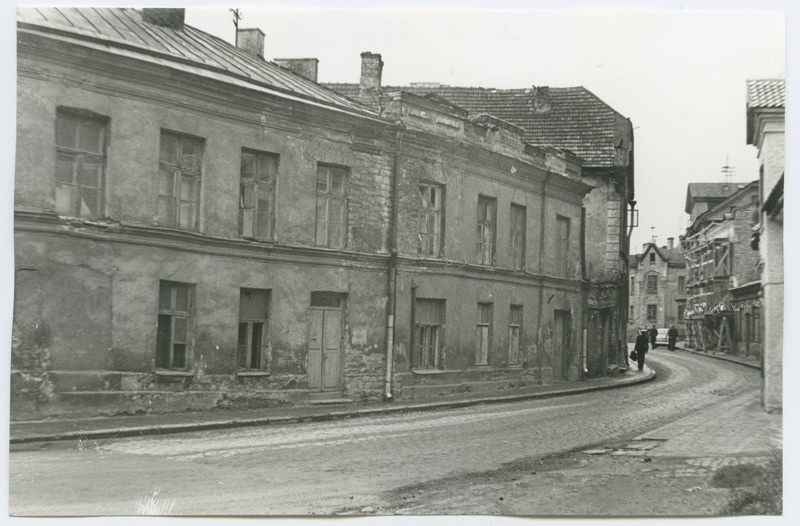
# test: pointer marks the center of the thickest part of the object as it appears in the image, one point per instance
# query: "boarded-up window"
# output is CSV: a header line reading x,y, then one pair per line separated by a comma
x,y
253,328
562,245
430,235
652,284
518,234
80,165
515,335
258,173
429,320
487,229
180,163
652,312
331,215
484,333
174,324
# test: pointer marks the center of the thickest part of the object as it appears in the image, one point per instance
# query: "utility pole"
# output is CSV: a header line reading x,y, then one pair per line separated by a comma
x,y
236,18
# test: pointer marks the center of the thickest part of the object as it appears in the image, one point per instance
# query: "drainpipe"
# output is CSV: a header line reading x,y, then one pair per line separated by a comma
x,y
541,268
391,278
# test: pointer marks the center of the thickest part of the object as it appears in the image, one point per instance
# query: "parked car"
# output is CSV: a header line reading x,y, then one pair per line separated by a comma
x,y
662,338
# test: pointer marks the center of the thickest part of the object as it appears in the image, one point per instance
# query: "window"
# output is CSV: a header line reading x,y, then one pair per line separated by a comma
x,y
430,235
80,165
562,243
652,284
257,194
253,326
681,310
179,180
681,284
487,229
630,316
484,333
652,312
514,335
633,283
331,206
518,234
174,323
429,319
652,258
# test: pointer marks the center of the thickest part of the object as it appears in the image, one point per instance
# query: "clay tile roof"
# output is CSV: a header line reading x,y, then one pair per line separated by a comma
x,y
766,93
571,119
123,31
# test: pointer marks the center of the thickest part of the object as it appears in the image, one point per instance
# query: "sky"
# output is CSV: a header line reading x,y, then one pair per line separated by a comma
x,y
679,75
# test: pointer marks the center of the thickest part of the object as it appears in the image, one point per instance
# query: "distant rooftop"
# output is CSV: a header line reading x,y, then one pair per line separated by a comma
x,y
766,93
712,192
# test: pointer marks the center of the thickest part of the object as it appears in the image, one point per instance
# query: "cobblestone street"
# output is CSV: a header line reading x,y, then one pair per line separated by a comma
x,y
369,463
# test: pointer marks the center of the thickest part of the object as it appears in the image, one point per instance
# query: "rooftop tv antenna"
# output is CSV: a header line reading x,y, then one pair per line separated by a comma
x,y
236,18
728,171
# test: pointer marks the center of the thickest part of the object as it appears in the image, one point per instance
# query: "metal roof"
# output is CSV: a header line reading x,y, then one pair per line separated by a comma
x,y
123,31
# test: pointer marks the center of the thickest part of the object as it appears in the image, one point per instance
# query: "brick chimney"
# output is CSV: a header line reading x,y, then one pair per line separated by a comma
x,y
671,242
305,67
251,41
166,17
371,71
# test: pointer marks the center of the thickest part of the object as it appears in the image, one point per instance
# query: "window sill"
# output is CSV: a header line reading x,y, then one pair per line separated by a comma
x,y
252,374
426,372
173,373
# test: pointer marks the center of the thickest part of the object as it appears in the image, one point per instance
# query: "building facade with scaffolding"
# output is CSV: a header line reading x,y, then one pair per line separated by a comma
x,y
722,306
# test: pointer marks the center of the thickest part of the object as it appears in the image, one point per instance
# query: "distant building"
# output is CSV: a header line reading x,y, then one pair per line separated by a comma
x,y
657,288
765,131
722,312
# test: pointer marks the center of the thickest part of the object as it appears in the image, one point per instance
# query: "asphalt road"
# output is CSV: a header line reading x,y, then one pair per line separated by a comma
x,y
327,467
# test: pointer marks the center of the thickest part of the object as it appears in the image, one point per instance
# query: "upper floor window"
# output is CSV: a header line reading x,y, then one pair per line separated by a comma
x,y
681,284
487,229
562,243
652,284
633,284
331,217
518,234
80,164
180,165
652,258
258,173
430,235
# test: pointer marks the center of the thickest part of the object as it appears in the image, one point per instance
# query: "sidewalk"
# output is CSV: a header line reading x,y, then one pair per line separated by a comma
x,y
154,424
743,360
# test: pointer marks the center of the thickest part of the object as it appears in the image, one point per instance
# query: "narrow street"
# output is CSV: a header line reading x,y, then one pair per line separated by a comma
x,y
487,456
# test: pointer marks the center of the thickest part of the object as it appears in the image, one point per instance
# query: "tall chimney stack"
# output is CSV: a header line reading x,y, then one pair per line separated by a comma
x,y
251,41
305,67
671,242
371,71
166,17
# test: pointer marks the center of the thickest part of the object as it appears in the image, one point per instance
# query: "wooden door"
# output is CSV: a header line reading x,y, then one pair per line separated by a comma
x,y
324,349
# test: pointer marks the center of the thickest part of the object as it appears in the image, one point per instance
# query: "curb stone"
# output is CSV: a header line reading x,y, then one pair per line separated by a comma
x,y
161,429
721,357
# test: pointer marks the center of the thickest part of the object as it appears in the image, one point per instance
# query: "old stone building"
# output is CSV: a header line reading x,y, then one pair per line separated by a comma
x,y
657,288
765,130
198,227
576,120
722,309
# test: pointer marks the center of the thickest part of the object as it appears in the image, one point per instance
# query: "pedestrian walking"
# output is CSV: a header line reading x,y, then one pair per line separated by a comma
x,y
652,333
640,348
672,334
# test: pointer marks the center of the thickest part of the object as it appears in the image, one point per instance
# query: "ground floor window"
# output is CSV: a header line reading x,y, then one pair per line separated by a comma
x,y
652,313
253,328
514,334
429,318
174,324
484,335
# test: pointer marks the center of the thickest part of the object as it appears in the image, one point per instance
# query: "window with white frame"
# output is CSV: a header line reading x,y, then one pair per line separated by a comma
x,y
258,173
80,164
331,215
180,162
